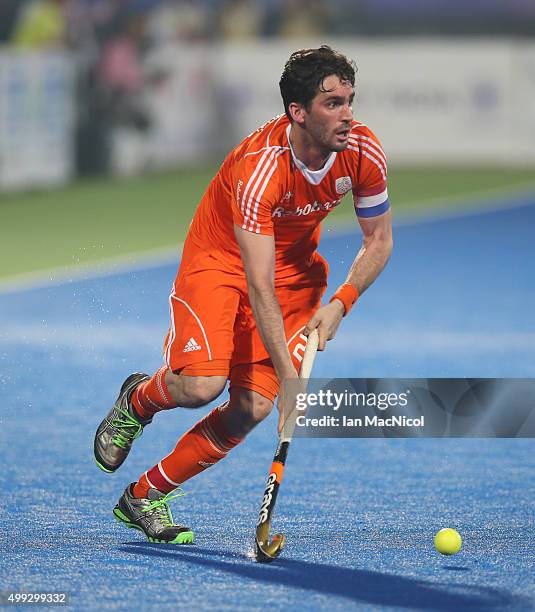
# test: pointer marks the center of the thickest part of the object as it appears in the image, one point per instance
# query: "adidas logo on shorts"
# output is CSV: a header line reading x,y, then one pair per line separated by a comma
x,y
191,345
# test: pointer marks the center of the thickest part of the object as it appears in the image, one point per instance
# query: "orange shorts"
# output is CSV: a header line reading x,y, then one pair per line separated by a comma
x,y
213,331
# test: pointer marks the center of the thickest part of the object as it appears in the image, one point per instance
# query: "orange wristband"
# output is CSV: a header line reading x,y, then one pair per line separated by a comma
x,y
347,294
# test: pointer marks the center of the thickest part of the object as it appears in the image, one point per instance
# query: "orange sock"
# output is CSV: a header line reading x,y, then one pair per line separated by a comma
x,y
203,445
152,396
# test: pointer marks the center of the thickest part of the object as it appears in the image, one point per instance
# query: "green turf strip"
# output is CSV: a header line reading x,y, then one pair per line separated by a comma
x,y
98,219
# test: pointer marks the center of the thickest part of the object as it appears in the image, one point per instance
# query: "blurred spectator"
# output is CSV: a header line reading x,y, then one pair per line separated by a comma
x,y
186,21
124,83
120,67
121,74
305,19
241,19
41,23
108,40
8,16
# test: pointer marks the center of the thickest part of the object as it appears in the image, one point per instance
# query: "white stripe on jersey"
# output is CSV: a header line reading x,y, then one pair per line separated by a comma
x,y
251,180
369,201
258,198
369,143
276,120
264,148
265,166
376,162
372,158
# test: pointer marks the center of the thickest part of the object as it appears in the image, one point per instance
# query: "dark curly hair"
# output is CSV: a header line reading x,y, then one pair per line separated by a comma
x,y
305,71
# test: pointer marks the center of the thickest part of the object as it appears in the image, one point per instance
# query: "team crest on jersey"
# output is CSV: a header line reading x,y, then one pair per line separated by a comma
x,y
343,184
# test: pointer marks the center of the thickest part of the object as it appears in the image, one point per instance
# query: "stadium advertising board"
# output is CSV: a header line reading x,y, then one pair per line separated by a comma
x,y
436,101
36,119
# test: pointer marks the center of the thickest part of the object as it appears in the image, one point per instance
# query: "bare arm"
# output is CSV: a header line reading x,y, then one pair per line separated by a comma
x,y
374,252
369,263
258,256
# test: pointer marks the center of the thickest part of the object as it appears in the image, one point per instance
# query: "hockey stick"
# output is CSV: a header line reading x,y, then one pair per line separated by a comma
x,y
266,551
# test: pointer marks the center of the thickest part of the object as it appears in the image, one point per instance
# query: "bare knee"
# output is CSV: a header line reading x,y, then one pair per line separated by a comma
x,y
255,407
194,391
245,410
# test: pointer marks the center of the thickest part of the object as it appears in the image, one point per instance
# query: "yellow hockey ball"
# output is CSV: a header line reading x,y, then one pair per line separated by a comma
x,y
448,541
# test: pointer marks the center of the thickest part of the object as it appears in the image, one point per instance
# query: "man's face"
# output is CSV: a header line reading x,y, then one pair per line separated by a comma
x,y
328,120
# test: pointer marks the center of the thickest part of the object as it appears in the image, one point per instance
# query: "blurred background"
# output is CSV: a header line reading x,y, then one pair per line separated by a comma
x,y
114,114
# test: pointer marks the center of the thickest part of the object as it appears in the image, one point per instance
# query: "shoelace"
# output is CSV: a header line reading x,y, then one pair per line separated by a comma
x,y
128,429
161,508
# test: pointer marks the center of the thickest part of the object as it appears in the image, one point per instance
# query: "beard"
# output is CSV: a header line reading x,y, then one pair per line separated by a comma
x,y
339,146
327,139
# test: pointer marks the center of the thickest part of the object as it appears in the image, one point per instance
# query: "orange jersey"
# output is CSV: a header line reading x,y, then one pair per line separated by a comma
x,y
263,188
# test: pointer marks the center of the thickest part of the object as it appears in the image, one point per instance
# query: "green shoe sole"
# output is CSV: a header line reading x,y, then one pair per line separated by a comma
x,y
103,468
186,537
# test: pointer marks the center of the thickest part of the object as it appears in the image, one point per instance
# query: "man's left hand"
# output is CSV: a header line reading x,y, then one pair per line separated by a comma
x,y
326,320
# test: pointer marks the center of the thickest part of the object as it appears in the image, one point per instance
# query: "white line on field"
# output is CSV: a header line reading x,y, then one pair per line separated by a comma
x,y
109,266
154,258
109,336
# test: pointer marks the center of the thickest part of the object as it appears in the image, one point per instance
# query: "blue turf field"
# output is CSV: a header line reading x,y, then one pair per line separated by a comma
x,y
457,299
